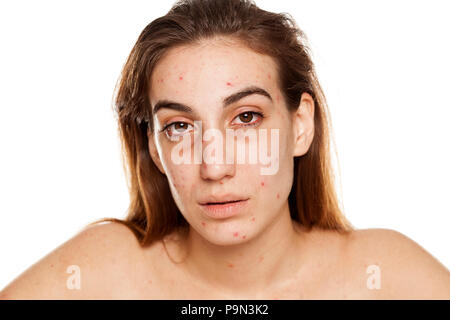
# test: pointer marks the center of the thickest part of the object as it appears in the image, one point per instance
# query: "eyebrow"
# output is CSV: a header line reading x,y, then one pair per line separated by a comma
x,y
235,97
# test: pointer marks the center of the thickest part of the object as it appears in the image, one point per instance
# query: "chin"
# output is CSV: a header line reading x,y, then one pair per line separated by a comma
x,y
225,240
222,235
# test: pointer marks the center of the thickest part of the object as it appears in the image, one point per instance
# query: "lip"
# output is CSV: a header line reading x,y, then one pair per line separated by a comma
x,y
224,210
222,198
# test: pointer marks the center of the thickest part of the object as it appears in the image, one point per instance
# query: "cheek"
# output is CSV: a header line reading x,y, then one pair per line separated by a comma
x,y
262,186
181,178
275,187
270,186
179,175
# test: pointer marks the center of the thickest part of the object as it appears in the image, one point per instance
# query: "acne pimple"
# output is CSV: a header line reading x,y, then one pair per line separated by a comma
x,y
181,78
149,281
230,265
236,234
268,75
262,184
203,223
221,182
261,258
229,84
244,236
253,219
278,196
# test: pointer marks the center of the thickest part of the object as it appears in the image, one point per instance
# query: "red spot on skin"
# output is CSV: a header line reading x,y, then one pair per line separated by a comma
x,y
278,196
221,182
253,219
149,281
236,234
51,266
243,237
268,76
203,223
229,84
230,265
181,78
262,184
261,258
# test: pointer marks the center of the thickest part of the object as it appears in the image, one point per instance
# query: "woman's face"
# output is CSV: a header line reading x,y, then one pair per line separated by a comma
x,y
198,79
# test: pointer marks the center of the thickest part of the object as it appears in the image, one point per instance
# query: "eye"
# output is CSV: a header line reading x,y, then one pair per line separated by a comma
x,y
247,117
176,129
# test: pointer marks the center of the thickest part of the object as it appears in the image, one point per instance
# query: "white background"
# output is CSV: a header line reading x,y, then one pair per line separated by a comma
x,y
384,67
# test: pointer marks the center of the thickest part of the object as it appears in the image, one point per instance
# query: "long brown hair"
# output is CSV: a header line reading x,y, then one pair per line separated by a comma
x,y
152,212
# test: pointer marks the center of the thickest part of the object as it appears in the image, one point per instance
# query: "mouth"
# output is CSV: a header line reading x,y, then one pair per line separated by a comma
x,y
224,209
224,202
222,199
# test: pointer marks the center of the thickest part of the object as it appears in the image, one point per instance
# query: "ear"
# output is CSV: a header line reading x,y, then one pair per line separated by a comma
x,y
303,125
153,151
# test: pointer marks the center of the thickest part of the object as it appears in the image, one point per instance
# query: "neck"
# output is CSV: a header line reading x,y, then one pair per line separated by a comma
x,y
263,261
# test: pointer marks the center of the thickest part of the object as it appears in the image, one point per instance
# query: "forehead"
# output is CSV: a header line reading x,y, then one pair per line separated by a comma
x,y
213,68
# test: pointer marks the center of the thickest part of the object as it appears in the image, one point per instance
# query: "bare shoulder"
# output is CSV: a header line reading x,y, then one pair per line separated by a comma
x,y
89,265
390,265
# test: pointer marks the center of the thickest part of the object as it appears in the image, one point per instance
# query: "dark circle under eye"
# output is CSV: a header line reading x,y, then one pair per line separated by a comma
x,y
246,117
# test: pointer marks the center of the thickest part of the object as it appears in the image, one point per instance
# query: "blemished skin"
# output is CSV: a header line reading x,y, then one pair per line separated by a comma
x,y
256,246
259,253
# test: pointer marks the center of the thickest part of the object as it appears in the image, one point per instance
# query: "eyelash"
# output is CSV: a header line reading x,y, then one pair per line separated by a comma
x,y
251,124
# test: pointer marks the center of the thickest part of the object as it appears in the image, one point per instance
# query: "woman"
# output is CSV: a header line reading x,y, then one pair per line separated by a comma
x,y
207,75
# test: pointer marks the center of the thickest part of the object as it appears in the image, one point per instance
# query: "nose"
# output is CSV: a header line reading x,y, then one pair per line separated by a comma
x,y
216,172
216,169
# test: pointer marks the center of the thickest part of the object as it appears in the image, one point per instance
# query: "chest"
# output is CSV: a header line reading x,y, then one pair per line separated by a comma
x,y
321,284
